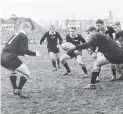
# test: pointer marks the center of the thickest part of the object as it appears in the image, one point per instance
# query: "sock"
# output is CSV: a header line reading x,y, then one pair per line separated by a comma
x,y
66,66
99,71
94,77
13,81
84,69
54,63
58,62
22,82
113,71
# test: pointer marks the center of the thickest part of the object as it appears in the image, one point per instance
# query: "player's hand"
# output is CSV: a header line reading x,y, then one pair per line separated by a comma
x,y
94,55
71,49
38,54
58,46
26,55
39,46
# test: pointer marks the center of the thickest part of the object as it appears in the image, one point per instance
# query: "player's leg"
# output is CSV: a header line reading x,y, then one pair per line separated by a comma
x,y
23,69
113,69
53,60
99,55
13,79
63,59
97,64
80,62
58,60
119,68
13,63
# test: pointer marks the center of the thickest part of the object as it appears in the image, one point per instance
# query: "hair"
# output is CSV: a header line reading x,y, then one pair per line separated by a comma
x,y
100,21
91,28
73,28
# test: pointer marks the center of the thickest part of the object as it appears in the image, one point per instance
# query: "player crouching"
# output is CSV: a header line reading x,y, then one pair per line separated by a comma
x,y
73,39
112,53
18,46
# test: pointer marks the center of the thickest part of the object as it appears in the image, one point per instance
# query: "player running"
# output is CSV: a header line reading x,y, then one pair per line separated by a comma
x,y
18,46
75,39
112,53
52,45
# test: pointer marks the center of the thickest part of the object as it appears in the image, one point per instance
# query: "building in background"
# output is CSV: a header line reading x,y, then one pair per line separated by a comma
x,y
9,27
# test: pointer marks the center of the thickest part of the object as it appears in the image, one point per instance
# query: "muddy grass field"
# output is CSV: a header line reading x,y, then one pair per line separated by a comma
x,y
51,93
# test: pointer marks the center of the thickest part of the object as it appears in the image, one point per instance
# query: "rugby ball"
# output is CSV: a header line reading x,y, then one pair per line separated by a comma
x,y
67,45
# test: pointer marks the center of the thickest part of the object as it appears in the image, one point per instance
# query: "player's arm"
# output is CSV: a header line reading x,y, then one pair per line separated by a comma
x,y
60,39
85,45
23,50
43,38
113,33
68,39
82,39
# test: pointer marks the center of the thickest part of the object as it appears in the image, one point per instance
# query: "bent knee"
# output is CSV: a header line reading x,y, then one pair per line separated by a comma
x,y
23,69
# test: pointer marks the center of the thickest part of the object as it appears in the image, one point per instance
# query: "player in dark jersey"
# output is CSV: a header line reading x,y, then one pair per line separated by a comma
x,y
109,31
52,45
17,46
75,39
119,38
112,53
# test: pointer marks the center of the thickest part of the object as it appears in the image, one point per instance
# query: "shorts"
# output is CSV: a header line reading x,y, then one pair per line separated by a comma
x,y
10,61
114,59
73,54
53,49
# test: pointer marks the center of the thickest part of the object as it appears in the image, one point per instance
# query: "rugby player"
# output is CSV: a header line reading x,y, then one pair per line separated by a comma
x,y
53,38
109,31
75,39
18,46
119,38
110,49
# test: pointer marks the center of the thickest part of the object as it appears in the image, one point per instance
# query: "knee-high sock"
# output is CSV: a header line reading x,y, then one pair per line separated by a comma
x,y
13,79
53,63
93,77
22,82
99,71
58,62
113,70
66,66
84,69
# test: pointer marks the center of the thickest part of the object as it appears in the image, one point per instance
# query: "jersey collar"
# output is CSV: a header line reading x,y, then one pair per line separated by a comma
x,y
73,37
51,32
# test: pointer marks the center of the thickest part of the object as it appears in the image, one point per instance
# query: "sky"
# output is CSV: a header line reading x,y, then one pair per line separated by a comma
x,y
51,10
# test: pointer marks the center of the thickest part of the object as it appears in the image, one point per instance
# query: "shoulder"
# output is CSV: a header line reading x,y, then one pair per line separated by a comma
x,y
22,36
110,28
68,36
98,36
79,35
57,33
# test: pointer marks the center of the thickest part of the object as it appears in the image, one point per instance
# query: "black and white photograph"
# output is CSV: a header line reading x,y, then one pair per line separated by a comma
x,y
61,56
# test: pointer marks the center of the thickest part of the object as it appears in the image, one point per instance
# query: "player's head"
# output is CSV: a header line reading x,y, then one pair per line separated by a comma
x,y
91,31
72,31
100,24
26,27
117,26
52,28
